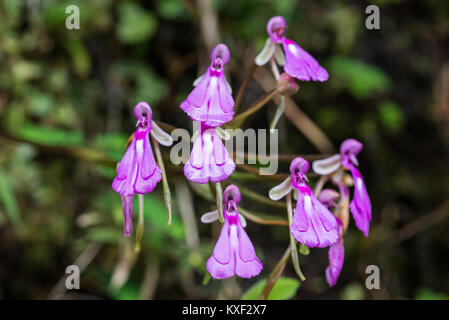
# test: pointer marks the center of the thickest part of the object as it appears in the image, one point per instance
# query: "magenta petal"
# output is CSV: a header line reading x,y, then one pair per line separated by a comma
x,y
137,171
247,264
313,224
248,269
209,159
360,204
210,101
234,253
222,250
300,64
336,258
222,262
218,270
127,207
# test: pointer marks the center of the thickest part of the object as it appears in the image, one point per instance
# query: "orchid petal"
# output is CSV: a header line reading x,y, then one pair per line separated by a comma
x,y
160,135
279,55
209,217
281,190
328,165
266,54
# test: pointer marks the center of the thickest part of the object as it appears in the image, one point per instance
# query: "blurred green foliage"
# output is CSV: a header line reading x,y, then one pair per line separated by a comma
x,y
283,289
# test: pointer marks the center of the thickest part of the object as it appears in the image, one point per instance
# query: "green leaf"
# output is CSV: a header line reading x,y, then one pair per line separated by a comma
x,y
427,294
51,136
353,291
391,116
361,79
135,24
8,200
284,289
171,9
104,234
130,291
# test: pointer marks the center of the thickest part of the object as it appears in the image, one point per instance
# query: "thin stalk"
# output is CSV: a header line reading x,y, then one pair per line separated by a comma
x,y
140,225
262,101
165,186
219,198
275,274
274,69
239,96
260,198
259,220
319,185
255,170
277,115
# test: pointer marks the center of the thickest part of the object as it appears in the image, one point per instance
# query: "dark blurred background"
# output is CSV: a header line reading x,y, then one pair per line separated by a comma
x,y
66,99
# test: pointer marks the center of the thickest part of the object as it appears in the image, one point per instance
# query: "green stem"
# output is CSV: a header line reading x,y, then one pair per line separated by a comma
x,y
278,114
319,185
219,197
165,186
140,225
262,101
259,220
275,274
239,96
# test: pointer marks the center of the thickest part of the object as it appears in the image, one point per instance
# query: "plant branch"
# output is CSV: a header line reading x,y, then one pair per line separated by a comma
x,y
275,274
239,96
259,220
262,101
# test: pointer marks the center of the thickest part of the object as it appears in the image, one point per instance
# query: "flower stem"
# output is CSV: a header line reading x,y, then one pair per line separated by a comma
x,y
275,274
165,186
259,220
219,197
140,225
239,96
319,185
262,101
274,69
278,114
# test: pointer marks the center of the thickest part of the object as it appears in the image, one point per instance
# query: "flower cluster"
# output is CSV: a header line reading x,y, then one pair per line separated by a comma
x,y
321,216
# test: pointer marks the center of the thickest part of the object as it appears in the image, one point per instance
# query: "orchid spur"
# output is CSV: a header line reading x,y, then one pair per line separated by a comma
x,y
328,197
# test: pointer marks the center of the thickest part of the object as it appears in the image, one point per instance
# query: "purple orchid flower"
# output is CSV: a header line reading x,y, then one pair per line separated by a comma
x,y
211,100
360,205
209,159
313,224
234,253
138,172
336,251
297,62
